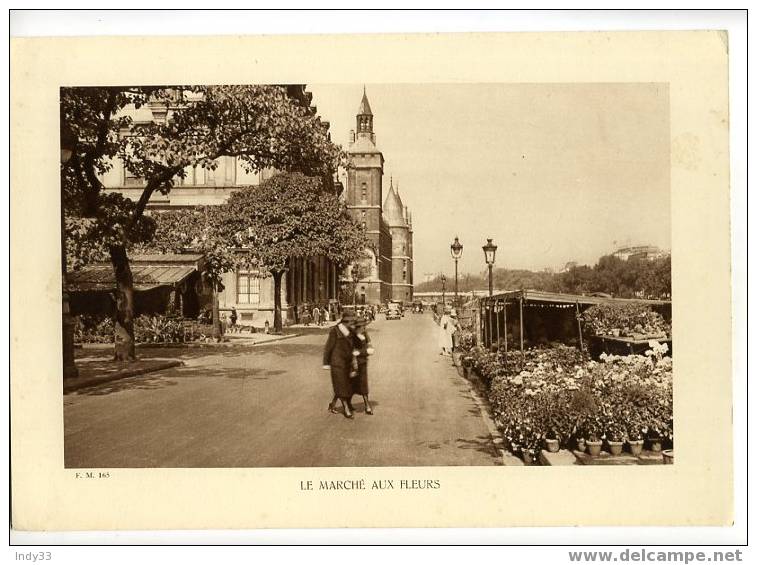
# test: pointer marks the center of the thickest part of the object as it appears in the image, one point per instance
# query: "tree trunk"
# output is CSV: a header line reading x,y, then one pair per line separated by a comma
x,y
123,321
217,330
277,324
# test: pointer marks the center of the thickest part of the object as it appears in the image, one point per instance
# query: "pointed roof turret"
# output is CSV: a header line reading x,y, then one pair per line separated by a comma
x,y
393,207
365,107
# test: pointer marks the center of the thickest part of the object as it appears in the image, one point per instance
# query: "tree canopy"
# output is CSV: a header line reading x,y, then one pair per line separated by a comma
x,y
260,125
290,215
611,275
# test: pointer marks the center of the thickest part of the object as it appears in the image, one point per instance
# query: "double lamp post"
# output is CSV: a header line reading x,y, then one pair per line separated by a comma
x,y
456,250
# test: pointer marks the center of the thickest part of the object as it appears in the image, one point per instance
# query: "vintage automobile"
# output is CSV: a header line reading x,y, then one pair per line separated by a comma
x,y
417,307
393,311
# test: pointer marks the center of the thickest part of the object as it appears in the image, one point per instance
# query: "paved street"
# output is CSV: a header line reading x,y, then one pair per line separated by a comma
x,y
265,406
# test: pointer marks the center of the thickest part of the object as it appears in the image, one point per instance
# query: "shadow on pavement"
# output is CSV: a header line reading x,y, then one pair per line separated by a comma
x,y
156,381
225,351
143,382
482,444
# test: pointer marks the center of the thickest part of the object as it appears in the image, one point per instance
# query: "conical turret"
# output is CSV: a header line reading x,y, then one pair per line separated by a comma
x,y
394,210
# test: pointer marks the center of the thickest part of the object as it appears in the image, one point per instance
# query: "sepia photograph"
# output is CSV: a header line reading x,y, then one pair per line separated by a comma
x,y
365,281
310,275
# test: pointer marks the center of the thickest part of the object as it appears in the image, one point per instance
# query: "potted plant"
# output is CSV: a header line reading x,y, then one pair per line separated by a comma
x,y
654,438
615,437
552,444
593,437
635,433
635,441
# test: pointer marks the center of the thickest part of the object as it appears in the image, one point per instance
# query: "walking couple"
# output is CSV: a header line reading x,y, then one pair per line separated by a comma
x,y
346,356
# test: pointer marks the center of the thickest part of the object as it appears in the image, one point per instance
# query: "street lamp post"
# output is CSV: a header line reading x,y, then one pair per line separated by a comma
x,y
68,143
490,251
457,251
444,302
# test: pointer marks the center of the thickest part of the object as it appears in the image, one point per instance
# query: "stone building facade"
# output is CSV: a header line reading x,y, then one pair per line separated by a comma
x,y
388,262
309,281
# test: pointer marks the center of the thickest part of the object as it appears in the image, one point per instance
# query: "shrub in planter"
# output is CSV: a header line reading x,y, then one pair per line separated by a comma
x,y
591,432
616,436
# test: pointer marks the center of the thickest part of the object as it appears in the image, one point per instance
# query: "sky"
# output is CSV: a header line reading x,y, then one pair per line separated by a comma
x,y
551,172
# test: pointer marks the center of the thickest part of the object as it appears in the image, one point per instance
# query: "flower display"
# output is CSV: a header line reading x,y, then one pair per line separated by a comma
x,y
625,320
557,392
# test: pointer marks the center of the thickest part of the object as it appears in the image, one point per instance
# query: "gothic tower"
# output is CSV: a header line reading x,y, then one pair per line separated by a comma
x,y
364,197
400,226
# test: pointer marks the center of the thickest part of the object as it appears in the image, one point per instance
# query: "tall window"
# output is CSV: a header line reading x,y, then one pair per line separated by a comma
x,y
130,179
248,288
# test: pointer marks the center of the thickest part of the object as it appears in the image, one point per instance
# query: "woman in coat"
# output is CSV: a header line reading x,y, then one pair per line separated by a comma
x,y
337,357
362,349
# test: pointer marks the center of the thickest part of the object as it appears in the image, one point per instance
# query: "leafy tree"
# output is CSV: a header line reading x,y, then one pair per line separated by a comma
x,y
199,230
261,125
289,216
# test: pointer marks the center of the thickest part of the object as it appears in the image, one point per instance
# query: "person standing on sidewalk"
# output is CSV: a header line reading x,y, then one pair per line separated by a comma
x,y
316,316
337,358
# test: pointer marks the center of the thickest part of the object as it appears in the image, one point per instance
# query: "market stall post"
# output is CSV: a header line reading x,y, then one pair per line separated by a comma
x,y
580,333
496,313
520,308
504,315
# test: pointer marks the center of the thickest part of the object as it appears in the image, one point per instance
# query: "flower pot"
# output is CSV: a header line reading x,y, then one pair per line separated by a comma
x,y
655,444
667,457
553,445
581,444
615,447
593,447
528,458
635,446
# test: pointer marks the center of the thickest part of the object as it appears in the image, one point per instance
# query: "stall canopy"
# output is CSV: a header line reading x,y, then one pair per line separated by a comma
x,y
566,308
560,298
148,272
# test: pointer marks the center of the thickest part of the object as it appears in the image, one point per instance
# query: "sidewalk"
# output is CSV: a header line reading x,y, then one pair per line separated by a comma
x,y
230,339
97,370
96,366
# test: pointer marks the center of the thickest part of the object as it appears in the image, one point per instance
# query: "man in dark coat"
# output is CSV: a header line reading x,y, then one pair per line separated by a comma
x,y
337,357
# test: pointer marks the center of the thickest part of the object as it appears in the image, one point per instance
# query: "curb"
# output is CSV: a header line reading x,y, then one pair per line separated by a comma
x,y
274,340
507,459
123,374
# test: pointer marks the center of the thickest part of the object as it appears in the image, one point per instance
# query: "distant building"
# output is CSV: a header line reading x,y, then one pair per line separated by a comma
x,y
645,252
568,266
388,222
